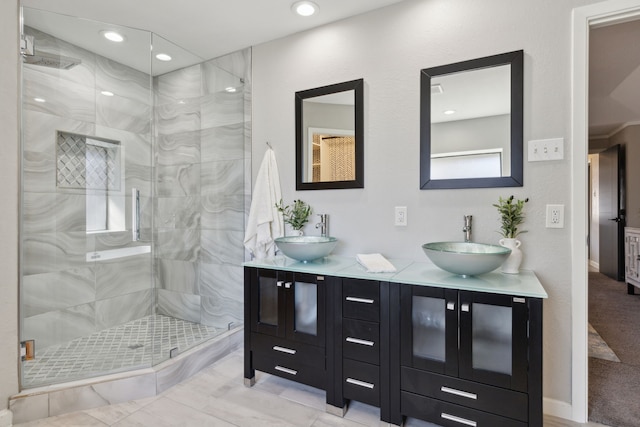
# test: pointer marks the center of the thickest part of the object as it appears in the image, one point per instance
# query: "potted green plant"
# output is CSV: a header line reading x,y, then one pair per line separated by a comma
x,y
296,215
511,216
511,212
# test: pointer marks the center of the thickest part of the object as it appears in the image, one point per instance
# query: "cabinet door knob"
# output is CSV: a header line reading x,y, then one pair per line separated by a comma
x,y
361,300
459,420
284,349
279,283
359,341
459,392
465,307
451,305
359,383
287,285
286,370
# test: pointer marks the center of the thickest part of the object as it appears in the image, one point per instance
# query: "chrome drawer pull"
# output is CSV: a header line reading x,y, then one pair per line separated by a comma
x,y
459,393
458,420
359,341
286,370
359,383
362,300
284,349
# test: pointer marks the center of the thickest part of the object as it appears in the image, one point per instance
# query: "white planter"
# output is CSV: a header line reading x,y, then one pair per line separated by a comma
x,y
512,264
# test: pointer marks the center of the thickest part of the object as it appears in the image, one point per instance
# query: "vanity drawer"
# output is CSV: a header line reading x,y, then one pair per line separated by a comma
x,y
361,299
450,415
361,340
287,351
361,382
315,376
496,400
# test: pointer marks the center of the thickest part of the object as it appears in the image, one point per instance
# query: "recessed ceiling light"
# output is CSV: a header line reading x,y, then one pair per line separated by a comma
x,y
230,89
39,99
106,93
436,88
305,8
113,36
449,112
163,57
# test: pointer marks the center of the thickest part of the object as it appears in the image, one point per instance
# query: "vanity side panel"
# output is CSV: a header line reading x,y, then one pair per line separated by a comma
x,y
249,371
535,362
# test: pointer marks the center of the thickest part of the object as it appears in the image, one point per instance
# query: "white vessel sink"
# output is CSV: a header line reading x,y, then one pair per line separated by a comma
x,y
306,248
466,258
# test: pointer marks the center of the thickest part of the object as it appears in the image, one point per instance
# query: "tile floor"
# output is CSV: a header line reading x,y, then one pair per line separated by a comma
x,y
217,397
138,343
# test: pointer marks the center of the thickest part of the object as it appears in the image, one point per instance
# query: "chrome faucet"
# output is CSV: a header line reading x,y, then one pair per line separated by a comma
x,y
467,227
323,225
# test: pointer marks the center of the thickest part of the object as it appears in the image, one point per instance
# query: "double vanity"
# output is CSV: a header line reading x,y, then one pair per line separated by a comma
x,y
420,342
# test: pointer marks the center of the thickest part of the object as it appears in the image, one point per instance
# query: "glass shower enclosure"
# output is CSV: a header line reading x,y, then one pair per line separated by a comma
x,y
133,198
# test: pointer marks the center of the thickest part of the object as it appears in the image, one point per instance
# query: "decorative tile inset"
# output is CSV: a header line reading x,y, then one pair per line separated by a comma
x,y
84,162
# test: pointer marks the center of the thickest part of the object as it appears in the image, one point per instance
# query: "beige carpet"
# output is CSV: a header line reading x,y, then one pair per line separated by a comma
x,y
614,386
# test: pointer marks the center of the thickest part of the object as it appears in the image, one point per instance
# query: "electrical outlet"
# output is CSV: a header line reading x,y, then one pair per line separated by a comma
x,y
555,216
401,216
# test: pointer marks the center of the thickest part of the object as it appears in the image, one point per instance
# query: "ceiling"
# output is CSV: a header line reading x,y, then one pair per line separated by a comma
x,y
614,78
203,29
198,30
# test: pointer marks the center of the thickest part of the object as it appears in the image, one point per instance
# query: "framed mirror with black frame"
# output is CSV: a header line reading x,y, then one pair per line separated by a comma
x,y
471,123
330,136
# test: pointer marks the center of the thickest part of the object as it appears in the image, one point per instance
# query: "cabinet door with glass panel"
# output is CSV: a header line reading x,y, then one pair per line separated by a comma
x,y
474,336
288,305
494,339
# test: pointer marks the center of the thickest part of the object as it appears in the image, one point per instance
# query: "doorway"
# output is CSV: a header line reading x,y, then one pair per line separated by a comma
x,y
585,19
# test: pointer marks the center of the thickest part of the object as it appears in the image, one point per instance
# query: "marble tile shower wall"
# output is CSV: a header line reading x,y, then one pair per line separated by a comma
x,y
63,296
203,185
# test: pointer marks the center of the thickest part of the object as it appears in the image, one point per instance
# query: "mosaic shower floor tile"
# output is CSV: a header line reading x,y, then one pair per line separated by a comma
x,y
136,344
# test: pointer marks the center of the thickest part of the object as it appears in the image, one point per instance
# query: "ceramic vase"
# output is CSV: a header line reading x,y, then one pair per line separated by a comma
x,y
512,264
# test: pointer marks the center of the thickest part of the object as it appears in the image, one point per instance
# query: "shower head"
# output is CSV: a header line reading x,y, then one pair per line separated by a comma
x,y
51,61
31,56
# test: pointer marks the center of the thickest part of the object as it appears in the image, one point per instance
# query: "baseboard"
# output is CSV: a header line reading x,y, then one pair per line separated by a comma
x,y
594,264
557,408
6,418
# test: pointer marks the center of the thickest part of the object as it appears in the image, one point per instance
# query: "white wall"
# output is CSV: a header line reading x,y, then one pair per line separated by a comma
x,y
388,48
9,143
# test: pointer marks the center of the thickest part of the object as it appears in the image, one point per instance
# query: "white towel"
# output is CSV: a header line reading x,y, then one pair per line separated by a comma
x,y
375,263
265,221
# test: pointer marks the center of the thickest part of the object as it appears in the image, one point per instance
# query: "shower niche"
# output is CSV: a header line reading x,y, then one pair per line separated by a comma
x,y
93,165
115,143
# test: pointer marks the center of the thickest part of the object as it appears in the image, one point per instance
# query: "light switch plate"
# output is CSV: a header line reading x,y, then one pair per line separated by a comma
x,y
540,150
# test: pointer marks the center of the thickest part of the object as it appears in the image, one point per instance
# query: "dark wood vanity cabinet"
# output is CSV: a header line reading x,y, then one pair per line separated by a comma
x,y
361,334
287,327
453,357
469,358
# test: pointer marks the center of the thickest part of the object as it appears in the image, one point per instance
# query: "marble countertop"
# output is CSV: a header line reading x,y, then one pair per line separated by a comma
x,y
524,284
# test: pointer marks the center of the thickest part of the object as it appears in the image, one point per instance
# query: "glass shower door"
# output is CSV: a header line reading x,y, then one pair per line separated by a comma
x,y
86,282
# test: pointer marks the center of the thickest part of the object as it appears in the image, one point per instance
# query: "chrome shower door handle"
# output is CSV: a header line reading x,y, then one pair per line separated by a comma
x,y
135,214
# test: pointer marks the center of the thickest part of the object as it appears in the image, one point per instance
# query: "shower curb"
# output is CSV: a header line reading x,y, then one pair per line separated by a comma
x,y
49,401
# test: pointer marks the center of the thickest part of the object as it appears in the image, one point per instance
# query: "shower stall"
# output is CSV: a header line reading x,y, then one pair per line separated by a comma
x,y
135,183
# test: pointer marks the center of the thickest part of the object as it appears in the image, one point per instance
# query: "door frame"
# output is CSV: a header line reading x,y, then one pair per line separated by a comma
x,y
583,19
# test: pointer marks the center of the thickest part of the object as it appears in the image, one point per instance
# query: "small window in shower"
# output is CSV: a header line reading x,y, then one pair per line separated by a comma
x,y
92,166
